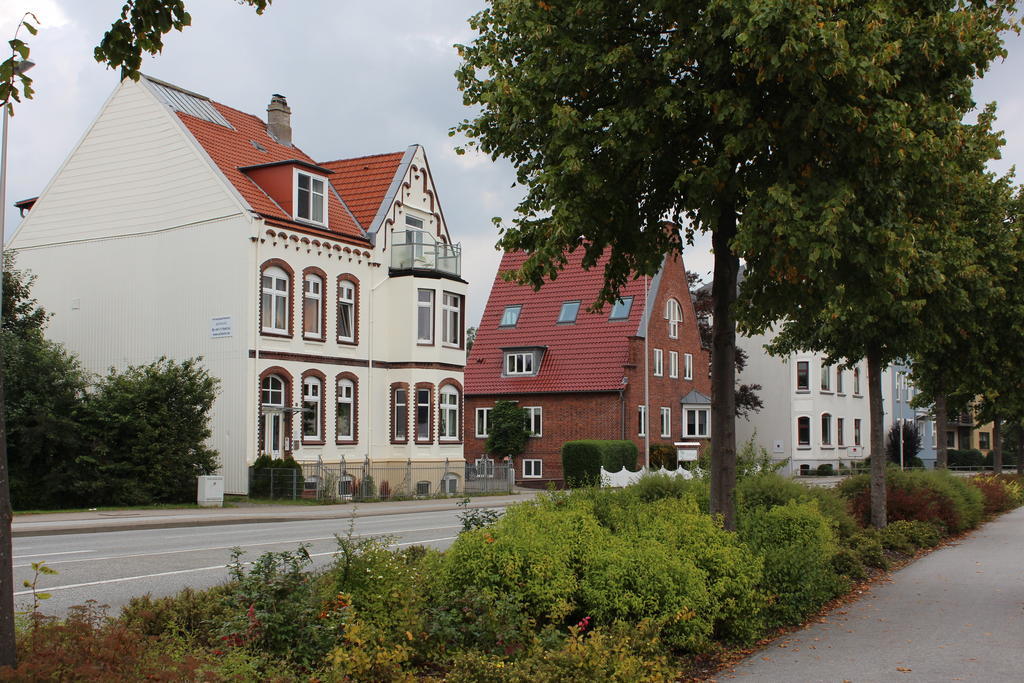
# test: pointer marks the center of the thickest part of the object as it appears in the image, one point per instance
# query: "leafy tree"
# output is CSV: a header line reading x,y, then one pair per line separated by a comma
x,y
146,429
911,441
509,430
470,339
756,121
22,314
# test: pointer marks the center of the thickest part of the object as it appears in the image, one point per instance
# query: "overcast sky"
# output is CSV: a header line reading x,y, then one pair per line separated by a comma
x,y
360,77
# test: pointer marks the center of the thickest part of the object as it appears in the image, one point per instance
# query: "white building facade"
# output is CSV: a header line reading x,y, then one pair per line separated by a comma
x,y
814,413
326,298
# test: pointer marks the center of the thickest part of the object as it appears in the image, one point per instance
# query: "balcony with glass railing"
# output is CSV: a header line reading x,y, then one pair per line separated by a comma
x,y
413,250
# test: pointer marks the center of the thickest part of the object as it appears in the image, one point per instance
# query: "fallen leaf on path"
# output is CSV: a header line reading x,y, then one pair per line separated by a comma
x,y
903,669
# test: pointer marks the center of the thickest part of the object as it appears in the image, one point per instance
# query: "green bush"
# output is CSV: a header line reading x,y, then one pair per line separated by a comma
x,y
867,545
762,491
192,612
999,492
581,463
797,544
651,487
663,456
925,495
908,537
825,469
285,481
847,562
967,457
616,455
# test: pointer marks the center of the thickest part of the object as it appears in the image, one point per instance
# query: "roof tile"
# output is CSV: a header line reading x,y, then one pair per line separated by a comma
x,y
363,181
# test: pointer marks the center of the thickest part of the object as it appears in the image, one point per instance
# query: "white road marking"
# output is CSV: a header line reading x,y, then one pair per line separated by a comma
x,y
226,547
189,571
67,552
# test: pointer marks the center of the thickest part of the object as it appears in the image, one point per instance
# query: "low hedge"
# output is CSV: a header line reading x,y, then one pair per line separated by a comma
x,y
582,460
967,457
922,495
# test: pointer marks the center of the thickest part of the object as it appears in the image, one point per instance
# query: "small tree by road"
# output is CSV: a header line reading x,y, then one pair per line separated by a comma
x,y
508,430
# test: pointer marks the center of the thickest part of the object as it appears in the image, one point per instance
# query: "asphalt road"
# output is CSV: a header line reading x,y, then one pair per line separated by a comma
x,y
113,566
954,615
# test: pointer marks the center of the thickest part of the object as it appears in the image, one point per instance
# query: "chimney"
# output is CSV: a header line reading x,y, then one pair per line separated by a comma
x,y
279,120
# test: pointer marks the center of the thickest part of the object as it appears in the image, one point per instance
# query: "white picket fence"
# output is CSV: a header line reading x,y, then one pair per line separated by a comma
x,y
624,477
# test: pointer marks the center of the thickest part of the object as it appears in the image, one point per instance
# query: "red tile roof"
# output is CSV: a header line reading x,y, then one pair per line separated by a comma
x,y
586,356
233,149
363,181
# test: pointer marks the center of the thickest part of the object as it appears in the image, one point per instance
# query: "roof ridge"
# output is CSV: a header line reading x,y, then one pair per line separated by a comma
x,y
365,156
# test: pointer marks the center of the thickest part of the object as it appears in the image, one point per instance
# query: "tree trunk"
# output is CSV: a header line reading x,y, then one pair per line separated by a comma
x,y
723,372
8,654
1020,449
878,511
997,444
941,423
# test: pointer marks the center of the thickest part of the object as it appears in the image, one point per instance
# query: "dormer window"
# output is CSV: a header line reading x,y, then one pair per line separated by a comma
x,y
511,316
620,311
522,362
310,198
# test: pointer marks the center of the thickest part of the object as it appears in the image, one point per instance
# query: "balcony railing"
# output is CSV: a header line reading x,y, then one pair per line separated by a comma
x,y
419,250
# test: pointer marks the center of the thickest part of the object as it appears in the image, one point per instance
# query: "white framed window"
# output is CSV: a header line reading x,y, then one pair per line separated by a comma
x,y
840,428
312,390
423,417
400,416
934,434
803,431
510,316
448,404
483,423
345,418
856,381
451,319
533,469
425,316
826,378
520,363
272,399
276,286
346,311
839,381
674,315
659,362
803,375
856,431
310,198
641,416
826,429
673,364
697,422
666,422
534,420
312,305
568,312
687,366
620,311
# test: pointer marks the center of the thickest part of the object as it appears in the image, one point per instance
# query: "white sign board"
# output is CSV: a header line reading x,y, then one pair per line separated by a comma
x,y
220,327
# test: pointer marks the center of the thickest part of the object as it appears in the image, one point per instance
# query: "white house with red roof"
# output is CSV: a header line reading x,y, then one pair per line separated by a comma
x,y
581,374
327,297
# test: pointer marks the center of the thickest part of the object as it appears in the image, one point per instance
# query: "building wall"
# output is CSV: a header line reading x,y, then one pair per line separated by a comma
x,y
566,417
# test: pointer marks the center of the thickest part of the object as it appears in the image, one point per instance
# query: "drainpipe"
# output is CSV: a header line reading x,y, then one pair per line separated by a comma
x,y
369,361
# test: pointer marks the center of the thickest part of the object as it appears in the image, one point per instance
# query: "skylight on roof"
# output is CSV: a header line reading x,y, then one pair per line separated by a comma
x,y
187,102
621,308
568,313
511,316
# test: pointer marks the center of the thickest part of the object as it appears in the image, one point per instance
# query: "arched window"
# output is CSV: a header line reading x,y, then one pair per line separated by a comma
x,y
424,412
399,413
346,418
826,429
674,315
272,424
312,407
276,289
449,407
803,431
312,305
347,311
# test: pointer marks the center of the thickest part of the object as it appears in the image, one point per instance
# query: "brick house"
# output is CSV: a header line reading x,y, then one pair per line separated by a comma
x,y
326,296
581,374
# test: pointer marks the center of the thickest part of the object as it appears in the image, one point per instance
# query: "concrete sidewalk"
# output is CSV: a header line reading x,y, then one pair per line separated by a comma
x,y
954,615
49,524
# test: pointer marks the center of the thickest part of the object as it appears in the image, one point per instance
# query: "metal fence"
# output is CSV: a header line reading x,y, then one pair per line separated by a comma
x,y
366,480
